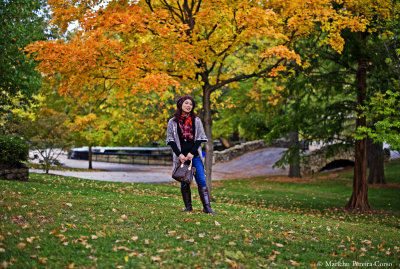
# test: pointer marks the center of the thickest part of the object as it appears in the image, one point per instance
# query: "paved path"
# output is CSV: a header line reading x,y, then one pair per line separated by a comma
x,y
252,164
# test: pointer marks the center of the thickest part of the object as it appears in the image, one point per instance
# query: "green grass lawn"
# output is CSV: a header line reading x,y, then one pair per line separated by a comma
x,y
61,222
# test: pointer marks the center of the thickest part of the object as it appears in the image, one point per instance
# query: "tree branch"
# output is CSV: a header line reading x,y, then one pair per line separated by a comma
x,y
148,2
244,76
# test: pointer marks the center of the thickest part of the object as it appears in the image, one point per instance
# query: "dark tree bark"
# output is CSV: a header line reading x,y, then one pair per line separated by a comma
x,y
294,168
90,157
376,159
208,130
359,198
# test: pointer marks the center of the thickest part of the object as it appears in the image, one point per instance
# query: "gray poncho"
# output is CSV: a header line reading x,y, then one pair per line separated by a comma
x,y
172,135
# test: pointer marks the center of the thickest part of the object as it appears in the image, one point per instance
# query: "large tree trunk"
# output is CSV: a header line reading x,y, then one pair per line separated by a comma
x,y
294,168
90,157
375,156
359,198
209,145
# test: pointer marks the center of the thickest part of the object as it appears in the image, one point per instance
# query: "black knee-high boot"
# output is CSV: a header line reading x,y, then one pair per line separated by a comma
x,y
205,199
187,198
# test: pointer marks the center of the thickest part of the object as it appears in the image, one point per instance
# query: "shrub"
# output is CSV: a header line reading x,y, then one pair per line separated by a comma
x,y
13,150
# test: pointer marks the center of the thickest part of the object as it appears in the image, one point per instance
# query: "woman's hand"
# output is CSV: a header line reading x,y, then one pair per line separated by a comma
x,y
190,156
182,158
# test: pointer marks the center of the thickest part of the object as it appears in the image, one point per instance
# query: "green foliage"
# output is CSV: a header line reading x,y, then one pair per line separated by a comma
x,y
22,22
244,110
385,107
13,150
47,134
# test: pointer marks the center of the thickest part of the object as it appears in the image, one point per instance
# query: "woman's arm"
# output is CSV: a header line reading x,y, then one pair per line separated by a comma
x,y
174,148
200,134
196,146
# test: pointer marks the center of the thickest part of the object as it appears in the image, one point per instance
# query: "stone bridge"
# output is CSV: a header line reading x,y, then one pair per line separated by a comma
x,y
316,160
313,162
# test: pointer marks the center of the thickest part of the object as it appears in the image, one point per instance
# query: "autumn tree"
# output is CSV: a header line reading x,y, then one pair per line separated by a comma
x,y
378,14
200,46
357,74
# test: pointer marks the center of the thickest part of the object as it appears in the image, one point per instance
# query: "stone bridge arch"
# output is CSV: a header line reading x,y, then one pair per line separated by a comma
x,y
316,160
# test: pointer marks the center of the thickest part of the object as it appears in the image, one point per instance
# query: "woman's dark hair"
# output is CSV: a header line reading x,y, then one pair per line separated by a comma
x,y
179,103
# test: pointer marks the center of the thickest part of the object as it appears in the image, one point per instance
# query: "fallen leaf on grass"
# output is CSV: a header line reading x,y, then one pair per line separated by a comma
x,y
217,223
2,250
43,260
21,245
30,239
155,258
294,263
101,234
55,231
232,263
279,245
133,254
115,248
272,257
134,238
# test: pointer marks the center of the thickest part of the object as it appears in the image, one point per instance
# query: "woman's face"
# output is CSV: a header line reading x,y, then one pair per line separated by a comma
x,y
187,106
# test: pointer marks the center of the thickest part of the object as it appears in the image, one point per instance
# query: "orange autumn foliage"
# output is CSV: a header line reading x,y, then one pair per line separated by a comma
x,y
133,48
138,46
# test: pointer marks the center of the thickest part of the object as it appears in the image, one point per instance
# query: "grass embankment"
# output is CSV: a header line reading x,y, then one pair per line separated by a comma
x,y
61,222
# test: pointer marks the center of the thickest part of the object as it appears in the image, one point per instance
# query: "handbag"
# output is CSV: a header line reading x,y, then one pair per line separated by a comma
x,y
184,173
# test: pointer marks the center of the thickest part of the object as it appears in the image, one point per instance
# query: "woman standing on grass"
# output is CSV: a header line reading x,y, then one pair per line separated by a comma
x,y
185,134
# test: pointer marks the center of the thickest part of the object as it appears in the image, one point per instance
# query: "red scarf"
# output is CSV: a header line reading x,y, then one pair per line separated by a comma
x,y
185,123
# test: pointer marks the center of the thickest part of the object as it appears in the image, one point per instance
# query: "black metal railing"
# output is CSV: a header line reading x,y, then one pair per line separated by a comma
x,y
133,158
145,156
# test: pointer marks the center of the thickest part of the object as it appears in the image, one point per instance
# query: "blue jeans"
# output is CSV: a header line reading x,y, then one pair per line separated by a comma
x,y
199,175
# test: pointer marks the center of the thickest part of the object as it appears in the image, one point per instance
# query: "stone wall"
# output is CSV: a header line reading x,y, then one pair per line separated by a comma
x,y
316,160
236,151
20,173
